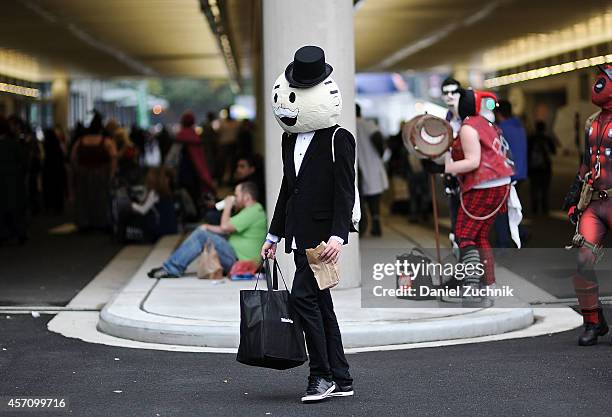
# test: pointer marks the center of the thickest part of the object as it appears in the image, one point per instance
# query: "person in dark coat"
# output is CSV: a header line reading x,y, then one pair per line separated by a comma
x,y
540,148
515,135
94,157
54,173
193,172
315,204
13,168
210,140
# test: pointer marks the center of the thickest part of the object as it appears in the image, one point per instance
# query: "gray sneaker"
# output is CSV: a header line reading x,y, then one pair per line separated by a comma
x,y
343,390
318,389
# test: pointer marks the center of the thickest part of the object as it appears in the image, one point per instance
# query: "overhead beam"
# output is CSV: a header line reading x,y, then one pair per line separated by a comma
x,y
89,40
216,15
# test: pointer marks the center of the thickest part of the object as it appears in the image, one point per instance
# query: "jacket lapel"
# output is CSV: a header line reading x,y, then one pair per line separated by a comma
x,y
312,148
290,161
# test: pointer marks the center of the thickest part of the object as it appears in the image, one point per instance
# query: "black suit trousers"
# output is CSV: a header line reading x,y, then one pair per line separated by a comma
x,y
316,310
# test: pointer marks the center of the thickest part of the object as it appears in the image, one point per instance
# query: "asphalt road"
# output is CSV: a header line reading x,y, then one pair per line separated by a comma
x,y
543,376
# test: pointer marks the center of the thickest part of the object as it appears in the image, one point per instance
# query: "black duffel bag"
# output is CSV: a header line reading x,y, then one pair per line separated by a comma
x,y
271,334
415,256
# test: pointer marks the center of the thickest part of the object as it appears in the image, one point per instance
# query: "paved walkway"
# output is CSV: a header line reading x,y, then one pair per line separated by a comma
x,y
201,313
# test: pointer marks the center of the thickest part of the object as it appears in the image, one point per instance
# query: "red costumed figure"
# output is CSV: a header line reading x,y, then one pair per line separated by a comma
x,y
193,174
480,160
590,207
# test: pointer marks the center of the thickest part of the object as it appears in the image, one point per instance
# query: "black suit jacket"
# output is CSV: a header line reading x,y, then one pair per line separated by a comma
x,y
317,202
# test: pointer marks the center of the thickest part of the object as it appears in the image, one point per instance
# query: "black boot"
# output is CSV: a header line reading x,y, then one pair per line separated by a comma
x,y
593,330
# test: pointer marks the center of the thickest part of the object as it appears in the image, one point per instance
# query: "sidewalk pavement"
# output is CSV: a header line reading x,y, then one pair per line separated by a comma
x,y
193,312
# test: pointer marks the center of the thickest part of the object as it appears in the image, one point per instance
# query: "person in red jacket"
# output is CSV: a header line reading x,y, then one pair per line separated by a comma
x,y
193,174
480,161
595,217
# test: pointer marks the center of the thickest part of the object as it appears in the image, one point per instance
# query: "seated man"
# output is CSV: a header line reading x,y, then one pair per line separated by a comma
x,y
246,232
246,171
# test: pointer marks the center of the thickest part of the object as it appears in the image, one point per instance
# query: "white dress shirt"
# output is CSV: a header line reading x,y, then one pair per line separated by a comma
x,y
301,146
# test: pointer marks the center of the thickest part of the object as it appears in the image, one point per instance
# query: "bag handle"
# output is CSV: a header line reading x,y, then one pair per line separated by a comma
x,y
265,267
271,279
416,250
277,268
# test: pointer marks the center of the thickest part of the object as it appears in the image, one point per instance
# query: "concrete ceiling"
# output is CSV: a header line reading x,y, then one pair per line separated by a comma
x,y
243,18
112,37
80,38
395,35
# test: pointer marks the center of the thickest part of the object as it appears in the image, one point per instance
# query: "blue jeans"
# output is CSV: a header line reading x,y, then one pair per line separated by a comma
x,y
192,247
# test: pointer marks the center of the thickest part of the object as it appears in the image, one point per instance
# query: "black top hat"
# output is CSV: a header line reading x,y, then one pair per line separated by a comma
x,y
308,67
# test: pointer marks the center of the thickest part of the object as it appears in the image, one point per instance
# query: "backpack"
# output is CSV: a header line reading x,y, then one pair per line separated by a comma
x,y
356,214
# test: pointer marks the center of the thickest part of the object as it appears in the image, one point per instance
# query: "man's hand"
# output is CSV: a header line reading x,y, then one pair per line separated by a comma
x,y
573,214
229,201
268,250
331,253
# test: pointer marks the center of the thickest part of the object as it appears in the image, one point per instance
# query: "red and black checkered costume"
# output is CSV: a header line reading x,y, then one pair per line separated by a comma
x,y
480,203
595,221
471,232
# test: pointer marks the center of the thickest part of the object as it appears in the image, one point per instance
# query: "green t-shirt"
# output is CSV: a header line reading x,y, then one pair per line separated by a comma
x,y
251,228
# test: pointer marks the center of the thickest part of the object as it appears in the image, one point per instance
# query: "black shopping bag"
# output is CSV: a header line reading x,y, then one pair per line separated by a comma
x,y
271,335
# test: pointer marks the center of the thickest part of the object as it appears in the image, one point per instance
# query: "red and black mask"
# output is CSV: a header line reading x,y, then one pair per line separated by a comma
x,y
601,95
470,102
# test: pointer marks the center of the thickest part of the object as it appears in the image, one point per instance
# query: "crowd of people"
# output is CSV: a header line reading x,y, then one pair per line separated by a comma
x,y
141,184
133,183
407,175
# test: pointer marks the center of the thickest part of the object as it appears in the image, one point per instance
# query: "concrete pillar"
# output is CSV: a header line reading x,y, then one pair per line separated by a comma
x,y
261,96
60,93
288,25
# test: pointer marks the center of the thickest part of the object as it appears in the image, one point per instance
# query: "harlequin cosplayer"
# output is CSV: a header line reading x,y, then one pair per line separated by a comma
x,y
480,160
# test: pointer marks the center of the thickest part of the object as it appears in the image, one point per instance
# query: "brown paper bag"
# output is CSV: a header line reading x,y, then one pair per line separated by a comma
x,y
209,265
326,274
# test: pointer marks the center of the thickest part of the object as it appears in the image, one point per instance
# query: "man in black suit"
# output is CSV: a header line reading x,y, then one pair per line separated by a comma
x,y
315,204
